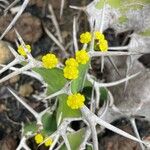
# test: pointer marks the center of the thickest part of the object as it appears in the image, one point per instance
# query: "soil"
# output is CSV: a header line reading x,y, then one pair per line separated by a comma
x,y
31,27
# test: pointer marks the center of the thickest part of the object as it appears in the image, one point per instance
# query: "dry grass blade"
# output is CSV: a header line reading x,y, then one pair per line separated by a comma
x,y
133,123
24,5
55,22
17,72
29,108
28,73
11,5
62,7
54,39
114,65
5,1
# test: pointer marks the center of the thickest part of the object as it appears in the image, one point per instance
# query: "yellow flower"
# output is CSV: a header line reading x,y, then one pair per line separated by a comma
x,y
71,72
71,62
21,50
82,56
39,138
75,101
49,61
103,45
85,37
99,35
48,142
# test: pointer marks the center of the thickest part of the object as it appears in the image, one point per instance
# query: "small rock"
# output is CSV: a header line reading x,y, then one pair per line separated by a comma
x,y
14,79
5,54
2,108
55,4
39,3
117,142
28,26
8,143
26,90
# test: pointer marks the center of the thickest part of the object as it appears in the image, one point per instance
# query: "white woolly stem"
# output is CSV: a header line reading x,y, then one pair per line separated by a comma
x,y
86,138
101,30
132,120
77,8
90,117
119,48
29,73
97,95
75,42
64,136
54,142
98,54
55,94
23,144
94,136
92,104
113,83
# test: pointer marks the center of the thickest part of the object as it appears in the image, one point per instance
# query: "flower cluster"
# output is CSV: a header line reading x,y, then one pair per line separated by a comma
x,y
103,46
71,62
85,38
70,72
82,56
71,69
21,50
99,36
40,139
49,61
102,42
75,101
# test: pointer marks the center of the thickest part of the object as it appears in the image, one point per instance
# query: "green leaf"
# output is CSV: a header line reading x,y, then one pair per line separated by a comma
x,y
53,77
65,110
77,84
49,125
103,95
89,147
145,33
112,3
123,19
75,139
87,92
30,127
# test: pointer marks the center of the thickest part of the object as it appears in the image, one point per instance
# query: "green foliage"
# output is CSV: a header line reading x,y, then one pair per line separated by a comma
x,y
103,94
77,84
145,33
49,125
87,92
75,139
30,128
112,3
53,77
64,110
